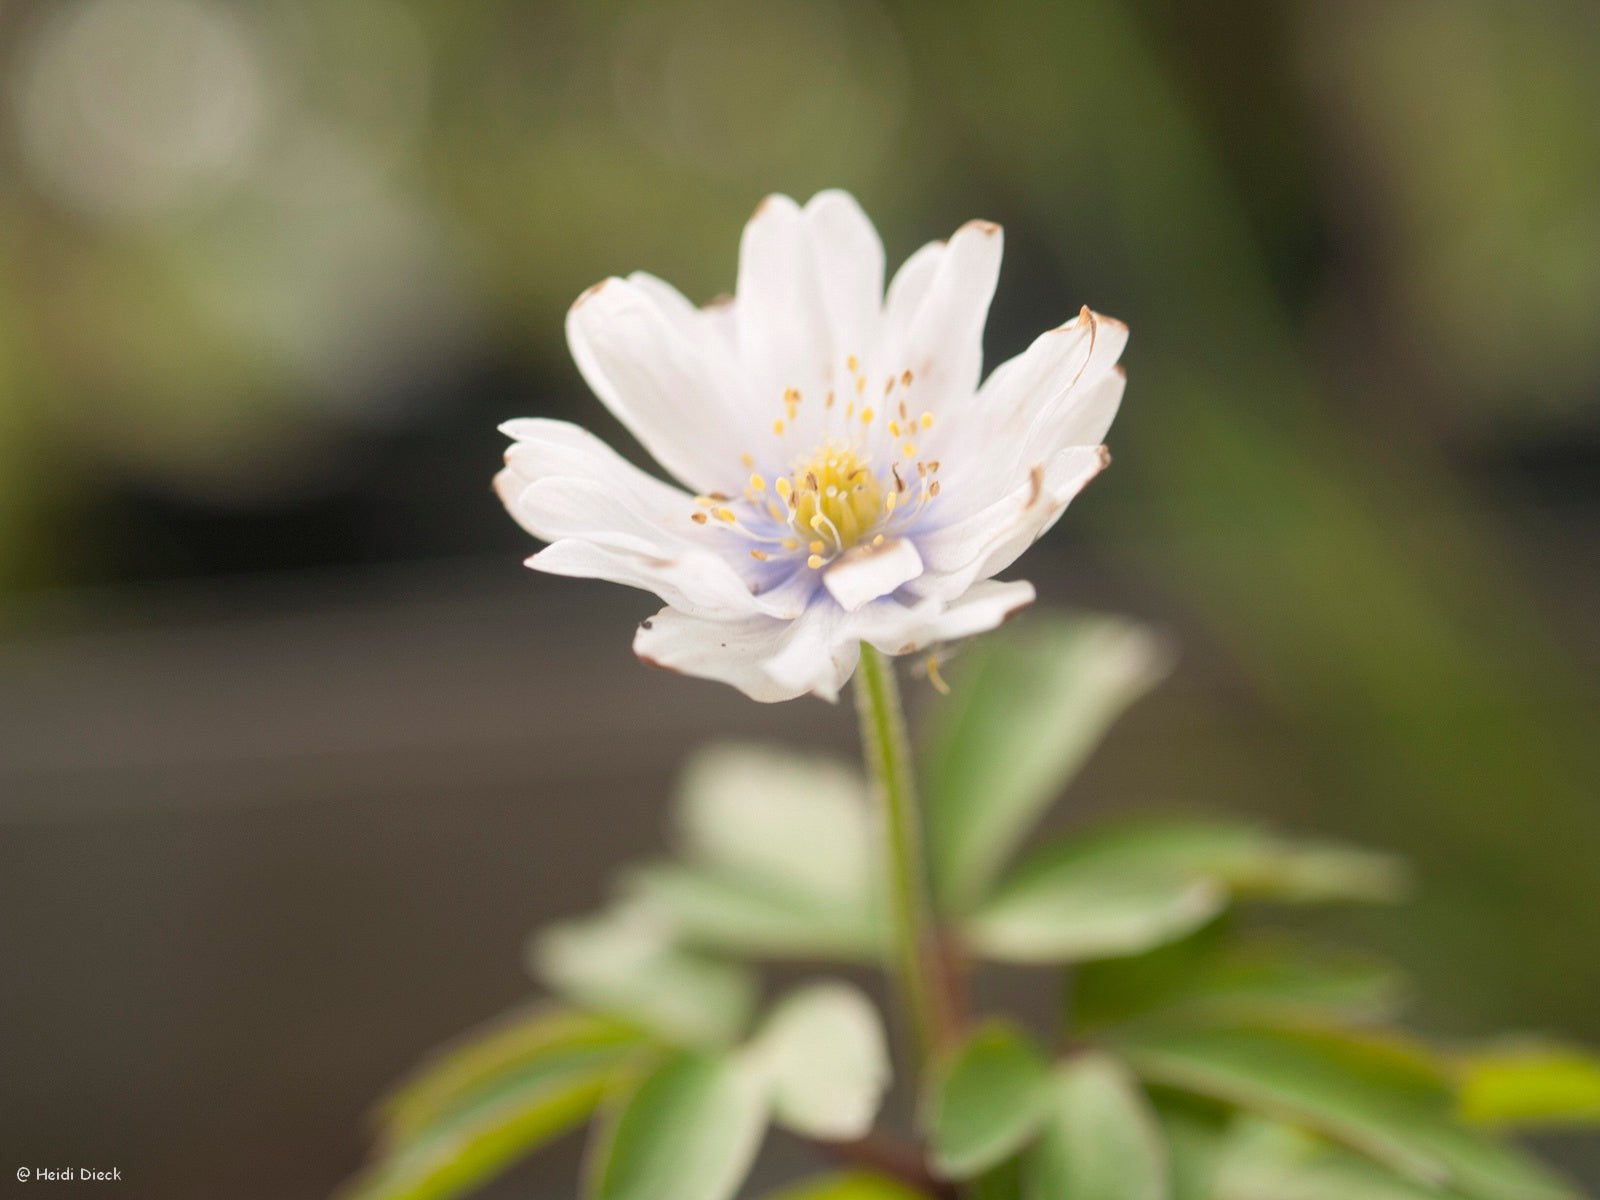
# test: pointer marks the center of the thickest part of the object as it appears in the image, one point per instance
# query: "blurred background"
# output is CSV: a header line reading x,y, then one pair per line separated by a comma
x,y
293,752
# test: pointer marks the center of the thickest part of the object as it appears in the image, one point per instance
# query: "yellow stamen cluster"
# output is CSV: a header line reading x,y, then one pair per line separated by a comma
x,y
834,498
831,499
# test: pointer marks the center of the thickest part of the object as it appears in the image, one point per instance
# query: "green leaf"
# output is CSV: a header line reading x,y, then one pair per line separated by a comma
x,y
824,1055
797,826
1193,1131
516,1042
854,1185
735,917
986,1100
476,1139
1206,978
689,1131
1026,713
1530,1084
1266,1161
1125,889
1070,916
1100,1139
624,962
1381,1097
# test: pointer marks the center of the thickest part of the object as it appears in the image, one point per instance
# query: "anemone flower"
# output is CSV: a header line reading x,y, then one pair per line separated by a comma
x,y
845,478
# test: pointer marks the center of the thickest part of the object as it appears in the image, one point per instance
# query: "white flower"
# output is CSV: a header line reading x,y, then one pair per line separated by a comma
x,y
851,481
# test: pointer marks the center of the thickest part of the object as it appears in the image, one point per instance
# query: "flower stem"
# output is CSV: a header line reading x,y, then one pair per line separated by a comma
x,y
913,947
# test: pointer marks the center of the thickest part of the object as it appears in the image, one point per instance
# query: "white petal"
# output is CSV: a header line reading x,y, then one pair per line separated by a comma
x,y
849,257
546,448
675,391
784,339
867,572
986,542
900,629
940,339
909,287
693,581
766,659
1054,369
1064,390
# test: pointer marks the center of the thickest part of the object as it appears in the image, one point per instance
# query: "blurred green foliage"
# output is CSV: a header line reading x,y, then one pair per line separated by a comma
x,y
1188,1061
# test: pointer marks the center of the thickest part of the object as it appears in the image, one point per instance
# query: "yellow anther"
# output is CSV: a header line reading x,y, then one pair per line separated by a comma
x,y
853,363
749,463
791,543
927,420
814,561
878,541
759,555
777,427
783,487
867,414
861,384
725,515
815,547
889,502
894,428
909,450
757,484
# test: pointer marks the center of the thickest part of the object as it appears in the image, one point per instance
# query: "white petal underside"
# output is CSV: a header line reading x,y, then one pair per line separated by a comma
x,y
897,628
771,660
766,659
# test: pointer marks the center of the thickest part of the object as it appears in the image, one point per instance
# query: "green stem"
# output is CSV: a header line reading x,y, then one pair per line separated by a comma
x,y
887,751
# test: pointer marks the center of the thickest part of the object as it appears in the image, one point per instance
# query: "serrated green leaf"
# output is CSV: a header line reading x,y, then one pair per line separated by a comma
x,y
853,1185
624,962
1026,713
1207,978
986,1099
1100,1139
1530,1084
823,1053
1127,888
518,1041
1262,1160
688,1131
1252,862
735,917
796,826
480,1137
1069,916
1382,1097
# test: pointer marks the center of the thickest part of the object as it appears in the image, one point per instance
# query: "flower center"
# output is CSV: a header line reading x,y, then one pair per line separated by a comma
x,y
833,497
